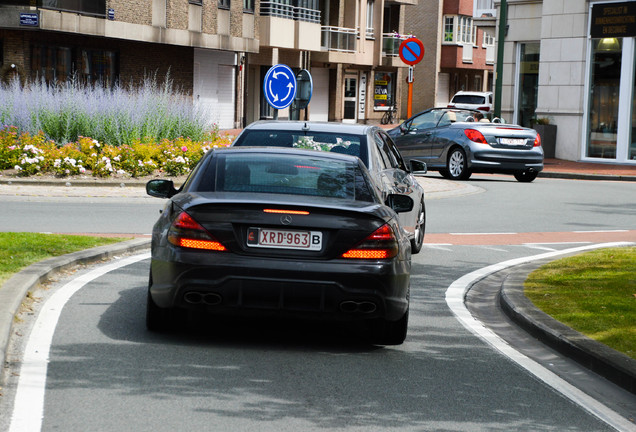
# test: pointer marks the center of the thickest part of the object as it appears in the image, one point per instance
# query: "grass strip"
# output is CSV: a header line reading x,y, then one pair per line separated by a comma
x,y
19,250
593,293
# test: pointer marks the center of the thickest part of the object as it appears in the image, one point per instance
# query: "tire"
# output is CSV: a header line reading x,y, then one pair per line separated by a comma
x,y
390,332
385,119
444,173
456,165
157,319
526,176
418,240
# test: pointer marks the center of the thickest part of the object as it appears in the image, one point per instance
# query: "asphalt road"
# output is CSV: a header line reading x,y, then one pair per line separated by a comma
x,y
108,373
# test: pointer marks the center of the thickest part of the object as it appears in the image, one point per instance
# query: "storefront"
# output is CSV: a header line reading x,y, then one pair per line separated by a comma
x,y
610,132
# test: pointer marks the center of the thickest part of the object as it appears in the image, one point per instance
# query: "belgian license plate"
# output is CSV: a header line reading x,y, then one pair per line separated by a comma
x,y
284,239
513,141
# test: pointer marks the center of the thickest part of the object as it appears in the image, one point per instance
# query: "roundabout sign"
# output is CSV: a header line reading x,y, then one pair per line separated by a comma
x,y
280,86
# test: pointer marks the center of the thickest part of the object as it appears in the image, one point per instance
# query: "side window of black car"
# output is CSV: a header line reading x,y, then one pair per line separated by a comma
x,y
394,152
381,145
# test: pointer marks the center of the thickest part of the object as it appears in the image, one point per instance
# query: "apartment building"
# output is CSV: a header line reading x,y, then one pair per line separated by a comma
x,y
201,44
459,44
350,48
573,62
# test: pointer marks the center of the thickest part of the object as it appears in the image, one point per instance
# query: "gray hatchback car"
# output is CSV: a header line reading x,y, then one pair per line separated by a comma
x,y
391,175
456,143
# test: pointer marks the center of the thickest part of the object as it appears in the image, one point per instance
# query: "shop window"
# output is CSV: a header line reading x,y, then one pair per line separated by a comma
x,y
604,97
55,64
632,133
383,91
528,67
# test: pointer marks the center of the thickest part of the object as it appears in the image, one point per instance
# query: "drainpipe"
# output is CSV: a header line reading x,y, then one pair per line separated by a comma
x,y
503,18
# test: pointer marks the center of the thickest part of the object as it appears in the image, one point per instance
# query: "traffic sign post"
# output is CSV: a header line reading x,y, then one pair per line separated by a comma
x,y
411,52
279,87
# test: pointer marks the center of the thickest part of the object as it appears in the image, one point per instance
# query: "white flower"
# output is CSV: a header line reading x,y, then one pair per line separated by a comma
x,y
121,171
17,168
82,170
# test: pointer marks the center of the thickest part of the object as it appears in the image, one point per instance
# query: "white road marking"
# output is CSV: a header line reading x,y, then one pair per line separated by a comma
x,y
455,295
28,409
484,234
600,231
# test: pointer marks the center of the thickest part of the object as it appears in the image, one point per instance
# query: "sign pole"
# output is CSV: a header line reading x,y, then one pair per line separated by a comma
x,y
409,101
411,52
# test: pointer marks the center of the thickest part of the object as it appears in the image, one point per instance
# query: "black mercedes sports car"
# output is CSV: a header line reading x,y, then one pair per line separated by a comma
x,y
281,231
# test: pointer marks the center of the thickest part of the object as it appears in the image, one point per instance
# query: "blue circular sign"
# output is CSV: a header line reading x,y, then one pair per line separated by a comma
x,y
279,86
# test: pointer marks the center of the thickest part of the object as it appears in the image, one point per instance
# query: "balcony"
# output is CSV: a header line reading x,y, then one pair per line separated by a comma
x,y
391,49
279,19
339,39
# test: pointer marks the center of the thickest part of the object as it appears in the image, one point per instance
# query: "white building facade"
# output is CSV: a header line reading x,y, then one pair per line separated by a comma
x,y
572,62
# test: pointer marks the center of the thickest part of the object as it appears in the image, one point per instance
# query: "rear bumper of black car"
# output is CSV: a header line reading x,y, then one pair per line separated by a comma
x,y
229,284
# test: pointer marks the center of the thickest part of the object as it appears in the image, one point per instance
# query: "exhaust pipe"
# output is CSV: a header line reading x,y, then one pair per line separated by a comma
x,y
364,307
210,299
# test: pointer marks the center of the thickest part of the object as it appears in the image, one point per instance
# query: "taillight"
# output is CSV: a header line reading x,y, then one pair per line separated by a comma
x,y
485,108
537,141
475,136
381,244
185,232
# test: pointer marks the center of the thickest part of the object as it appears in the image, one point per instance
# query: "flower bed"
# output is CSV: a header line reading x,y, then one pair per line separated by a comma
x,y
28,155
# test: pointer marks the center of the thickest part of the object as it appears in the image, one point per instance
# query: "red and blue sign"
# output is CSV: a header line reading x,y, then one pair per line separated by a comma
x,y
411,51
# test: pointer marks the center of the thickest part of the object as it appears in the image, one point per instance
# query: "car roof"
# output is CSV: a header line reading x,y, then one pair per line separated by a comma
x,y
462,92
306,126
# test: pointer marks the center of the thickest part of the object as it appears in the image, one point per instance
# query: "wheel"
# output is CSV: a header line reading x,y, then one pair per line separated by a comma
x,y
385,118
457,165
418,240
157,319
444,173
390,332
526,176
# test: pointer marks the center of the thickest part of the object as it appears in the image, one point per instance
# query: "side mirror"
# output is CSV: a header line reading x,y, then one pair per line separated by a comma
x,y
417,167
400,203
161,188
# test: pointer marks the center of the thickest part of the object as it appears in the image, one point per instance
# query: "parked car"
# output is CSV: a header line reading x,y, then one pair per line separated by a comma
x,y
370,143
281,231
452,142
480,101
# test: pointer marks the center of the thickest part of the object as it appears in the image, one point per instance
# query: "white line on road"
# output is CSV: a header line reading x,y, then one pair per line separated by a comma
x,y
28,409
455,295
493,233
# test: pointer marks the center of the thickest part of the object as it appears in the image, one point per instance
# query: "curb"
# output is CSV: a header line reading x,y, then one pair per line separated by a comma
x,y
12,292
612,365
586,176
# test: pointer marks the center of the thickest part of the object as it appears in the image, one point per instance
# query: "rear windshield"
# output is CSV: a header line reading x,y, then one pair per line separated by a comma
x,y
292,175
469,99
332,142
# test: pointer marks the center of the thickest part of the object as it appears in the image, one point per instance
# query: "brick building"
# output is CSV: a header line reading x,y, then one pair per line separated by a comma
x,y
200,43
459,44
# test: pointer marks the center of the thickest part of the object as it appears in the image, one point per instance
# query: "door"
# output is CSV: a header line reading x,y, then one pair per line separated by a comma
x,y
350,99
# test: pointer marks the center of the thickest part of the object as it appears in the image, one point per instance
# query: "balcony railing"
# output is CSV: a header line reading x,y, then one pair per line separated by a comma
x,y
391,44
282,9
339,39
85,7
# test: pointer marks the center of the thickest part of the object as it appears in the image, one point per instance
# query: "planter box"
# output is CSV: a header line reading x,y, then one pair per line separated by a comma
x,y
548,138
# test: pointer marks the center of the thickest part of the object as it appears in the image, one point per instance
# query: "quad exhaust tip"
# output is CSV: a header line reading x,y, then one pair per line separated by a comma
x,y
365,307
210,299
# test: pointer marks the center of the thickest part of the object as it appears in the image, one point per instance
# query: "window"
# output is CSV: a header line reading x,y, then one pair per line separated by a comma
x,y
466,35
58,63
383,90
449,29
370,31
196,2
248,6
88,7
224,4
